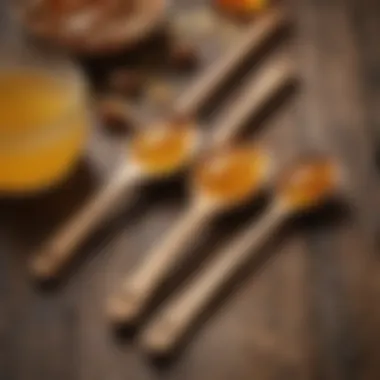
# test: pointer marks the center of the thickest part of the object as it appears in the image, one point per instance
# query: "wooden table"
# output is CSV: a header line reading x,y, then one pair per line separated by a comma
x,y
308,310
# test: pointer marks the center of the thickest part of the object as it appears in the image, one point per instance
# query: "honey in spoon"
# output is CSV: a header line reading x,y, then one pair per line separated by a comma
x,y
230,175
309,184
164,148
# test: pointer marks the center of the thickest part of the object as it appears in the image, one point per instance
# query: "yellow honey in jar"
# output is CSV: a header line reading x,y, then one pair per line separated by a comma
x,y
43,125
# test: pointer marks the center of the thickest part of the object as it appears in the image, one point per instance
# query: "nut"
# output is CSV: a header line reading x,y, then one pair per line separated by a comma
x,y
113,113
126,82
184,57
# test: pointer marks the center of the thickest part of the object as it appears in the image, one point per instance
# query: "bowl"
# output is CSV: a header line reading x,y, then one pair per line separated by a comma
x,y
92,30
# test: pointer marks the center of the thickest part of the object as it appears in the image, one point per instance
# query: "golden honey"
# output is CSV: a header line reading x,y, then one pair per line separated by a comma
x,y
309,184
163,148
231,175
43,125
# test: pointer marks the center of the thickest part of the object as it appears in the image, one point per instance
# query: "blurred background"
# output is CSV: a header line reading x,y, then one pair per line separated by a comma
x,y
80,79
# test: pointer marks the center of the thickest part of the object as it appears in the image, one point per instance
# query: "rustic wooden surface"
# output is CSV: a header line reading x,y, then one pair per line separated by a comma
x,y
308,310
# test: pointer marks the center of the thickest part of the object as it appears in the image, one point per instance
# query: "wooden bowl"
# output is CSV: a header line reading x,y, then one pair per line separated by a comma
x,y
92,32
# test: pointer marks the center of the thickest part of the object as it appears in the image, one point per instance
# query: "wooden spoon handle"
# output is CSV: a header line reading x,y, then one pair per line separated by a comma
x,y
205,86
139,287
59,249
261,87
174,320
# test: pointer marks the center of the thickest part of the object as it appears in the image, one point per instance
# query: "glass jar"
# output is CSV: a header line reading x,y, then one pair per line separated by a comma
x,y
44,121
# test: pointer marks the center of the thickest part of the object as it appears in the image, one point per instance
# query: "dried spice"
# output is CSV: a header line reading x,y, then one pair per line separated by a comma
x,y
126,82
184,56
114,114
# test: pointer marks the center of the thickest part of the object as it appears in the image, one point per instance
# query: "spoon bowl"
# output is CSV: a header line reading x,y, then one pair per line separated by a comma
x,y
229,176
165,148
309,184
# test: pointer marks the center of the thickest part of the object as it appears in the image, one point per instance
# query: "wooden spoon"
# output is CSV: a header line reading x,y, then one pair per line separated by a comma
x,y
225,180
145,160
256,35
308,185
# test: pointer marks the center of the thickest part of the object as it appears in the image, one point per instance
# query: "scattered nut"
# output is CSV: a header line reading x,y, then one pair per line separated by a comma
x,y
184,57
116,114
126,82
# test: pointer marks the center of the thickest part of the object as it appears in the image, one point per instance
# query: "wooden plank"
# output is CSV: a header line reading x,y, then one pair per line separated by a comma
x,y
364,18
262,330
334,102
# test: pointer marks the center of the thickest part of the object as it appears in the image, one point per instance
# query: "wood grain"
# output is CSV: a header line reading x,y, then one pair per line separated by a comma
x,y
309,312
336,110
